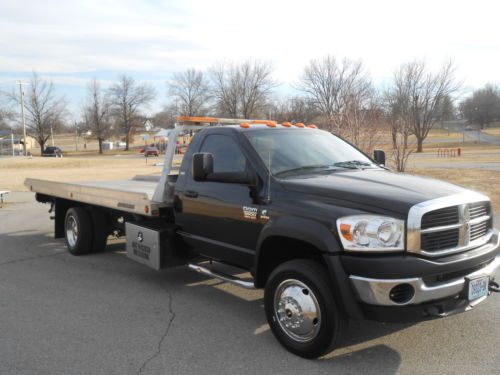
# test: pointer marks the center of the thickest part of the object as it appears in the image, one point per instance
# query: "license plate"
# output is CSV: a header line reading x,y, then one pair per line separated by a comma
x,y
478,288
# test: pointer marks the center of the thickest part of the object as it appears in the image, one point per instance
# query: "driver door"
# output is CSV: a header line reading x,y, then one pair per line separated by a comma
x,y
220,220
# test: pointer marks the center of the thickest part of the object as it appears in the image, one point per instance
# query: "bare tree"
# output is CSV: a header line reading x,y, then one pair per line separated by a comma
x,y
332,85
163,119
425,92
483,106
294,109
363,122
242,90
96,113
5,117
190,90
44,110
127,99
399,115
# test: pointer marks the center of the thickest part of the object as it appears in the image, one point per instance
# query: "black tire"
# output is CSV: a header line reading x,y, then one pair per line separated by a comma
x,y
331,321
100,225
81,243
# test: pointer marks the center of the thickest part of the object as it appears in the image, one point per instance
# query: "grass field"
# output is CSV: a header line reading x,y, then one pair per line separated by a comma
x,y
485,182
13,171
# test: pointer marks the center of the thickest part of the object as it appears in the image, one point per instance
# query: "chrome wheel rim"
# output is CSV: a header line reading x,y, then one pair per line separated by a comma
x,y
71,231
297,310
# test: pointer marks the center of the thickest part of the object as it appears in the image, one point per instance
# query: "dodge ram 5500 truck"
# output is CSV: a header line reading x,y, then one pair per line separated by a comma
x,y
328,232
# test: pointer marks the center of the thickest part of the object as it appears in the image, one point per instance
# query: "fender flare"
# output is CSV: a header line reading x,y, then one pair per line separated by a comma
x,y
298,228
325,241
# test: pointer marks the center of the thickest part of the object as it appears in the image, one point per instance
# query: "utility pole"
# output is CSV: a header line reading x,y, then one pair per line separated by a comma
x,y
21,83
76,136
52,135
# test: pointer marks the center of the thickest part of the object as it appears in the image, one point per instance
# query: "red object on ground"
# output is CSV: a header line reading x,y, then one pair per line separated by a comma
x,y
459,151
151,151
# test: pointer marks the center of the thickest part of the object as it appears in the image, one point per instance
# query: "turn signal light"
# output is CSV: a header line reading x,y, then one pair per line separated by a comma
x,y
345,230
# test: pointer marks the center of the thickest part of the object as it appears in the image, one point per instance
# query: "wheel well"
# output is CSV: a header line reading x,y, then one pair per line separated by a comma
x,y
279,249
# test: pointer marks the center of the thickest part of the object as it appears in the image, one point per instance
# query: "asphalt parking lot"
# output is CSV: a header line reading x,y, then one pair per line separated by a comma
x,y
104,314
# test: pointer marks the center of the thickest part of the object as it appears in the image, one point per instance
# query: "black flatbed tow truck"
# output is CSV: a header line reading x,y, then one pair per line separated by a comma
x,y
328,232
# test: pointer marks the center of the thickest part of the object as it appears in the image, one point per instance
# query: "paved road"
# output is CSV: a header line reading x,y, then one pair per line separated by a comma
x,y
475,135
104,314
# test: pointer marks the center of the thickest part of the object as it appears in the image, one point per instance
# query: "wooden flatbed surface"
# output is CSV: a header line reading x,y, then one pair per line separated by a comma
x,y
134,196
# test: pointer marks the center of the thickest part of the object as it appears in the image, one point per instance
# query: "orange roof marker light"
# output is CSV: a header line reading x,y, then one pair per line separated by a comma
x,y
300,125
312,126
286,124
271,124
245,125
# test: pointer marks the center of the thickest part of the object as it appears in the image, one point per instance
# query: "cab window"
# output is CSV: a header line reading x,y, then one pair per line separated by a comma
x,y
228,156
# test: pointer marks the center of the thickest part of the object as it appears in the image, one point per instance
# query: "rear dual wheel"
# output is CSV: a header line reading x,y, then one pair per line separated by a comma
x,y
85,230
301,309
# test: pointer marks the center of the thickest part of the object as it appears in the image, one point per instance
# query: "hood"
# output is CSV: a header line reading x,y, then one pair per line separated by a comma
x,y
377,188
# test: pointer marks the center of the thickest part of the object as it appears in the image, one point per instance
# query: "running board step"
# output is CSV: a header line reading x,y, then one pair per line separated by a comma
x,y
222,276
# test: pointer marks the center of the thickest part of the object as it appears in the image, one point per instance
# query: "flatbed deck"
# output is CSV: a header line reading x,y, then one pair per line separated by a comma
x,y
133,196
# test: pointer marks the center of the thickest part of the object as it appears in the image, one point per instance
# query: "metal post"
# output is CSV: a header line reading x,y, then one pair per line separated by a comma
x,y
12,143
22,115
52,135
76,136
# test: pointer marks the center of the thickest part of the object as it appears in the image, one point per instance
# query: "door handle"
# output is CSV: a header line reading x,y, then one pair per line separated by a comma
x,y
191,194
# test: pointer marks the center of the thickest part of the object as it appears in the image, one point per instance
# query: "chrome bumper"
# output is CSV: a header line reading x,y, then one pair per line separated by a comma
x,y
376,291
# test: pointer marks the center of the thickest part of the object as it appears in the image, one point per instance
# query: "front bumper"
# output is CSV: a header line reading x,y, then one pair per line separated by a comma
x,y
377,291
439,284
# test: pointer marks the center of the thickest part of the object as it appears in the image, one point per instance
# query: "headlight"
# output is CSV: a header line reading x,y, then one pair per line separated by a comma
x,y
371,233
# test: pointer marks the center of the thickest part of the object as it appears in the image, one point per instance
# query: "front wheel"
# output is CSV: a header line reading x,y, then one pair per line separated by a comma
x,y
301,309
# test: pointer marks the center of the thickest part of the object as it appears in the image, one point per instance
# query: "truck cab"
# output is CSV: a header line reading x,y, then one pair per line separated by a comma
x,y
328,232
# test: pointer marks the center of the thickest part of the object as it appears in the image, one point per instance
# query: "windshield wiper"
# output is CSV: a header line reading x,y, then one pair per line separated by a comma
x,y
353,164
303,168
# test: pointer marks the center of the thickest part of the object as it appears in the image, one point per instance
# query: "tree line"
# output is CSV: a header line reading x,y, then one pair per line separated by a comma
x,y
338,95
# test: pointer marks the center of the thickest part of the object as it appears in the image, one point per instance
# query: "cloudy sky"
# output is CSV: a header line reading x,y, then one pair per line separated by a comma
x,y
73,41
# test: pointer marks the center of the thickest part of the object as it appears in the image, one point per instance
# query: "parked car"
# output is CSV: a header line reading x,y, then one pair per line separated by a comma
x,y
52,151
151,151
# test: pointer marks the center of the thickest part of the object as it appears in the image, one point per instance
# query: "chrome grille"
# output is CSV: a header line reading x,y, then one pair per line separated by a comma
x,y
436,241
479,230
449,225
444,216
479,209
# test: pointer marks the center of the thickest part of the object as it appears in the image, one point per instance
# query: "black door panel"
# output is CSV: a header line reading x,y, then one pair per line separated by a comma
x,y
219,219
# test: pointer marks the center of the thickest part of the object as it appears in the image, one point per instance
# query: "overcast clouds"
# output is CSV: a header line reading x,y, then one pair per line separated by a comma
x,y
71,41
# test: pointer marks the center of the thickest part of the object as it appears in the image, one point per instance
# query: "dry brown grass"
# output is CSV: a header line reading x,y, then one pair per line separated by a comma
x,y
483,181
13,171
492,131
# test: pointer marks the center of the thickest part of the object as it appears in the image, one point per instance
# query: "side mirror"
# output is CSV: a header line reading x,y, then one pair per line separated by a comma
x,y
379,156
202,166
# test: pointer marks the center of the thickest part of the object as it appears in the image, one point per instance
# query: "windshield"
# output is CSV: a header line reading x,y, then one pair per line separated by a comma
x,y
292,152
